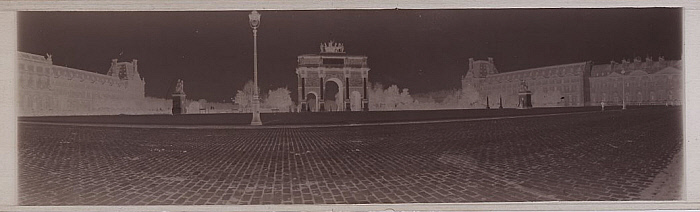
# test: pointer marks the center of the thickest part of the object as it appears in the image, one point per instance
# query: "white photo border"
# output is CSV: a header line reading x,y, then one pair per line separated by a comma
x,y
691,106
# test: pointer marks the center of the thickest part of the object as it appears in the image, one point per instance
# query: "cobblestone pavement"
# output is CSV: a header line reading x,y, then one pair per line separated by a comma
x,y
608,155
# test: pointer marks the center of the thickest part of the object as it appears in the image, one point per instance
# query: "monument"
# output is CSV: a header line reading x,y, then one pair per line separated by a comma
x,y
179,106
332,80
524,96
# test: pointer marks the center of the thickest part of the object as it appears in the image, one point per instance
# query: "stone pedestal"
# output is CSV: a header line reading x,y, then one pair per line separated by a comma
x,y
179,106
365,105
321,106
347,105
524,100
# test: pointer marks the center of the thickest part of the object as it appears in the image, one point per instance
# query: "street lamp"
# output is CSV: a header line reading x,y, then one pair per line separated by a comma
x,y
624,106
254,20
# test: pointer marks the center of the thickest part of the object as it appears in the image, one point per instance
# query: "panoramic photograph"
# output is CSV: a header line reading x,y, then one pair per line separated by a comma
x,y
301,107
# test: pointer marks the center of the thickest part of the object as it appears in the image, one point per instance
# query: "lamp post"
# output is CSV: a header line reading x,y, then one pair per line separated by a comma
x,y
624,106
254,20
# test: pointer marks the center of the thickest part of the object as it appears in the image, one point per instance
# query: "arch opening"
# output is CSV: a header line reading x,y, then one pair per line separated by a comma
x,y
311,102
332,96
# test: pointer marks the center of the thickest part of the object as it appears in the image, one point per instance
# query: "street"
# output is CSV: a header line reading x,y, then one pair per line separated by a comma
x,y
612,155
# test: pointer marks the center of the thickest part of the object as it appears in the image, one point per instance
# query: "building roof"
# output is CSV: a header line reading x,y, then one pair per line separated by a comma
x,y
545,67
35,58
647,66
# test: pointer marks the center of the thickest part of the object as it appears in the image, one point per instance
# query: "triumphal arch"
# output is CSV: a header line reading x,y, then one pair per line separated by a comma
x,y
332,80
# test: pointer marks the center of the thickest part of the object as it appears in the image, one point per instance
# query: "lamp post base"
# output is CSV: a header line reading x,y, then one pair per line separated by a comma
x,y
256,120
256,112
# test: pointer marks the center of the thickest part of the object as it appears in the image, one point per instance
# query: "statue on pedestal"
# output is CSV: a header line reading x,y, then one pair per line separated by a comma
x,y
179,98
524,96
523,86
180,87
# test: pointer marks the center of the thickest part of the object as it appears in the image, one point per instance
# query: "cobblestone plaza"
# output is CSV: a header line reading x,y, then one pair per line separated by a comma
x,y
611,155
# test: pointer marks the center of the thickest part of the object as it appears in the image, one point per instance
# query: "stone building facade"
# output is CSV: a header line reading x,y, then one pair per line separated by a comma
x,y
559,85
48,89
332,80
647,82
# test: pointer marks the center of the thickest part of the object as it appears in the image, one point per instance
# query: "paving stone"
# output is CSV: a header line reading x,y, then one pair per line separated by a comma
x,y
610,155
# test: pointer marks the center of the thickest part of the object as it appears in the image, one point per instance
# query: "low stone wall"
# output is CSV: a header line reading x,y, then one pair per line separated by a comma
x,y
307,118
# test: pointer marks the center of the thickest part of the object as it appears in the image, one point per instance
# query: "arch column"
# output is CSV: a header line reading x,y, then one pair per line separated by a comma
x,y
303,94
365,98
320,98
347,91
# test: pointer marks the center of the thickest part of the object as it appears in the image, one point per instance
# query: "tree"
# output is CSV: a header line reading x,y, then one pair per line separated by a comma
x,y
405,97
376,97
202,102
452,100
279,98
405,100
244,98
392,97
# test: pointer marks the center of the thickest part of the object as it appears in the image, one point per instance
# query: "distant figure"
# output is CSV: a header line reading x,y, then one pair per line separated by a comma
x,y
602,106
180,87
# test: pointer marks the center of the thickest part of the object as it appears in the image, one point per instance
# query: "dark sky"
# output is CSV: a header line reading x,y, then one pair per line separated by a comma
x,y
423,50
